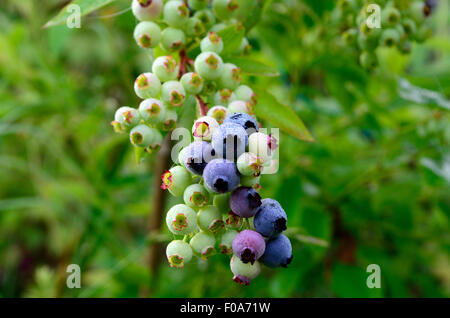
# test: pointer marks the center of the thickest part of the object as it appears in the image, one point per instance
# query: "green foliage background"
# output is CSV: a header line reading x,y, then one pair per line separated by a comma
x,y
375,185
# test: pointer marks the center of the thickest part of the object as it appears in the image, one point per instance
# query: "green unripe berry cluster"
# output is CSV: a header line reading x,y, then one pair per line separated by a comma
x,y
401,24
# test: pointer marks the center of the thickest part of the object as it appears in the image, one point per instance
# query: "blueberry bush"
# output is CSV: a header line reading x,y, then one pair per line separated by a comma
x,y
362,150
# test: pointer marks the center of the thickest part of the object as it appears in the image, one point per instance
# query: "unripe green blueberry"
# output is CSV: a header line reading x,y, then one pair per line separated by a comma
x,y
404,47
367,43
231,76
170,120
423,33
389,37
245,93
166,68
262,145
209,88
224,96
172,39
218,113
152,110
347,5
244,273
192,83
194,27
147,10
251,181
176,13
176,180
206,16
372,33
181,220
226,240
195,196
127,116
173,93
349,36
224,9
209,218
245,47
409,26
203,244
368,60
390,16
222,201
197,4
204,128
209,65
178,253
147,34
212,43
142,136
233,221
147,85
249,164
239,106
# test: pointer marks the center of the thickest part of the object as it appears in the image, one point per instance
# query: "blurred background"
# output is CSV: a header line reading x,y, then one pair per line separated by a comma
x,y
373,189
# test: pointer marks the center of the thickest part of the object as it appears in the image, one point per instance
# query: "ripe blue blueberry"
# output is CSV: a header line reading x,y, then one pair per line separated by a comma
x,y
270,218
147,10
244,272
197,156
249,246
244,201
230,141
221,175
278,252
244,120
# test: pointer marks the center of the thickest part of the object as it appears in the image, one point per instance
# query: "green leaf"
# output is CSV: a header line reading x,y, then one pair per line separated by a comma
x,y
86,7
252,67
281,116
419,95
232,37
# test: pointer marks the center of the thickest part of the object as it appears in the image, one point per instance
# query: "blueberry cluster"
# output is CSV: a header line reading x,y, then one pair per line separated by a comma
x,y
401,24
217,174
176,80
218,177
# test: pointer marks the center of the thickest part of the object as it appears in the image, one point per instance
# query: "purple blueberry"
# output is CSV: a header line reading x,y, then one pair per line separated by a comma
x,y
270,218
278,252
230,140
244,201
197,156
221,175
244,120
248,245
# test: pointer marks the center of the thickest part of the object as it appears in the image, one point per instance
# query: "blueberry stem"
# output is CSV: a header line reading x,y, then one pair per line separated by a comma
x,y
185,238
247,223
